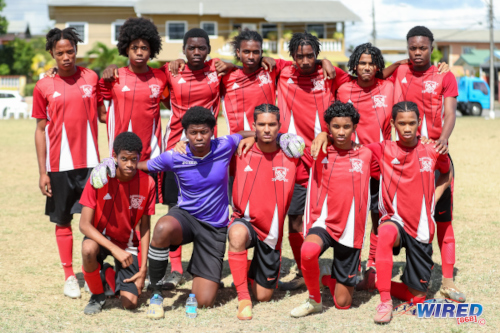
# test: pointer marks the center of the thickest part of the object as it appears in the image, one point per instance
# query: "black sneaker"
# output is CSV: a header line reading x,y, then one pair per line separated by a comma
x,y
296,283
173,280
95,305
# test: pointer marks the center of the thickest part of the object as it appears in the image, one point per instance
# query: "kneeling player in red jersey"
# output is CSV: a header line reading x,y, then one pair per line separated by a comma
x,y
408,193
334,220
109,218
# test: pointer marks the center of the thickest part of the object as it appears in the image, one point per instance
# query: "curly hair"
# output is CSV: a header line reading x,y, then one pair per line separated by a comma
x,y
420,30
56,34
339,109
139,28
127,141
367,48
245,35
196,32
404,106
301,39
198,115
266,108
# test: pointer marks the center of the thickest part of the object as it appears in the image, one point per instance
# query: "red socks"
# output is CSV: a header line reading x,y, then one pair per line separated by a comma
x,y
110,276
238,264
446,241
64,239
296,239
400,291
373,250
176,260
310,268
93,280
387,235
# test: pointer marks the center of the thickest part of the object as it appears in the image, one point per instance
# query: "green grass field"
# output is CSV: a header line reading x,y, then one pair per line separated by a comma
x,y
31,277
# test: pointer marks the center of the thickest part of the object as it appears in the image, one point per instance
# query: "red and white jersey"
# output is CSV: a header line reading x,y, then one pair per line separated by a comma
x,y
119,207
136,108
303,99
406,194
190,88
338,194
426,89
241,93
263,189
374,105
70,106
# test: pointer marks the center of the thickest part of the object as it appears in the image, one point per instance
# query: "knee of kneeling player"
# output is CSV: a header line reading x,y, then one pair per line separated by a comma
x,y
205,302
342,303
89,251
129,304
310,251
237,237
264,297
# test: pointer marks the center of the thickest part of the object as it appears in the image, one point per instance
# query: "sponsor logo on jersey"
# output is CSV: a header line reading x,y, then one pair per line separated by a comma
x,y
264,79
189,163
356,165
87,90
136,201
248,168
181,80
125,89
395,161
379,101
426,164
325,161
430,87
56,94
318,85
349,101
290,81
212,77
155,91
404,80
107,196
235,86
280,174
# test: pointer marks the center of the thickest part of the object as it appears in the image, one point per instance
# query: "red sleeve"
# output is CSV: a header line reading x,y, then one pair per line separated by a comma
x,y
280,64
105,89
98,95
443,163
450,87
302,173
164,68
376,149
392,78
341,77
374,168
151,198
39,104
89,196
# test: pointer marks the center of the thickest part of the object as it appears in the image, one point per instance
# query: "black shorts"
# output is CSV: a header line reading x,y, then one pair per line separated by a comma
x,y
419,264
170,190
298,202
443,212
345,259
67,188
121,273
374,187
266,262
157,189
209,244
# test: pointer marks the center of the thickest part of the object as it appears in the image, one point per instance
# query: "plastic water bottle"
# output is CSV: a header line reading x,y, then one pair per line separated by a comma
x,y
191,306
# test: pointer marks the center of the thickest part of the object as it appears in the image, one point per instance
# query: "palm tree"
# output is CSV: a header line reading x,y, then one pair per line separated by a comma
x,y
101,56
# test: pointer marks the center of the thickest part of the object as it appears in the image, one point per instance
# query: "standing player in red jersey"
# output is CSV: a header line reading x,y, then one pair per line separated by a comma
x,y
109,218
408,194
435,96
66,140
334,220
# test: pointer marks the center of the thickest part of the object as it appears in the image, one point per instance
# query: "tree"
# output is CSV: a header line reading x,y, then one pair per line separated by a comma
x,y
436,56
101,56
3,20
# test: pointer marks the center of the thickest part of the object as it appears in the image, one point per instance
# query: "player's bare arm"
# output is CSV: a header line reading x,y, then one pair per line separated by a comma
x,y
103,115
442,183
443,67
328,69
41,153
450,117
140,277
110,73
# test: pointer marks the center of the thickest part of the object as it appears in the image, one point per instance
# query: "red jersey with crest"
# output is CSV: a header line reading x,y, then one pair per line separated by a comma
x,y
136,108
70,106
427,89
407,189
263,189
119,207
241,93
190,88
338,194
303,99
374,105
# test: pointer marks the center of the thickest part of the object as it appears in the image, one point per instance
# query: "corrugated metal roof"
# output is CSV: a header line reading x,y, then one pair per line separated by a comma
x,y
475,58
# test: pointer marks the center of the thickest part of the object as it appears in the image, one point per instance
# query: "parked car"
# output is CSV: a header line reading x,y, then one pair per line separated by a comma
x,y
473,96
12,104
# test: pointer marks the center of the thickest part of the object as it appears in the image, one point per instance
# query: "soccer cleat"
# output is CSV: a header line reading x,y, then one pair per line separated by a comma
x,y
71,287
368,282
324,270
95,305
308,307
452,293
384,313
155,310
173,280
244,310
296,283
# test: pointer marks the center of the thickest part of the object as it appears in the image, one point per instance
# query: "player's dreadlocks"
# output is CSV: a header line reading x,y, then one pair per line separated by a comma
x,y
366,48
404,106
420,30
339,109
127,141
301,39
139,28
198,115
196,32
56,34
245,35
266,108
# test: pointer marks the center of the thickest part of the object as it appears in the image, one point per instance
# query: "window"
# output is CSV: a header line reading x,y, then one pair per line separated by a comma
x,y
115,30
269,31
318,29
82,28
249,26
480,86
210,28
467,49
176,30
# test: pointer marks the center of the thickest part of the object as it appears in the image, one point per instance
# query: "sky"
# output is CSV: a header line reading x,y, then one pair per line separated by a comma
x,y
393,17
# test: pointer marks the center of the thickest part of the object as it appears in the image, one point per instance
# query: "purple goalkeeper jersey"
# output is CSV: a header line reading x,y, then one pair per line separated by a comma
x,y
202,181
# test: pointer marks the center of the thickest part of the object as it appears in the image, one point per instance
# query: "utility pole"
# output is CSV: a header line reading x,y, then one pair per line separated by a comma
x,y
374,31
492,60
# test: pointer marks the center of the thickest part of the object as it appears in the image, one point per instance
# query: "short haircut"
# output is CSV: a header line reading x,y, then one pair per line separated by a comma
x,y
196,32
420,30
139,28
128,141
56,34
266,108
198,115
339,109
404,106
245,35
301,39
367,48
